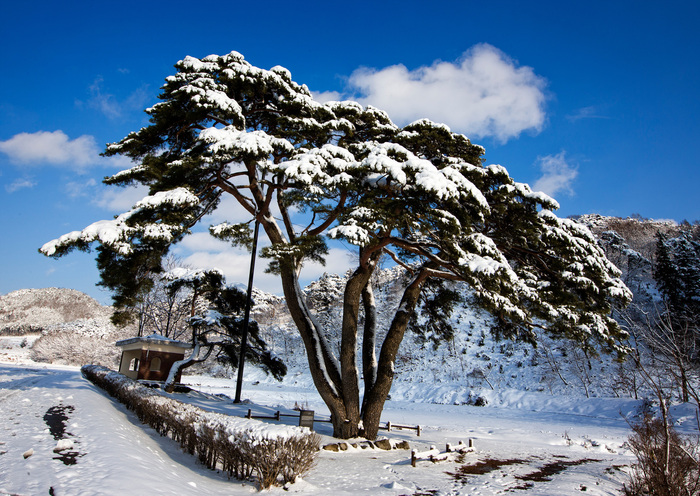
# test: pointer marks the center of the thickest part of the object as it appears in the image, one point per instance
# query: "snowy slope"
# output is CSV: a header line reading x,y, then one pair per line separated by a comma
x,y
471,365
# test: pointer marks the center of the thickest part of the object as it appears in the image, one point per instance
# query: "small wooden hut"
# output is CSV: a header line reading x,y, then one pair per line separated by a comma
x,y
150,358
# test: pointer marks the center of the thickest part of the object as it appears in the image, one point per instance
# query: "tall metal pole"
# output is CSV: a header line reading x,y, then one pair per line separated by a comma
x,y
246,316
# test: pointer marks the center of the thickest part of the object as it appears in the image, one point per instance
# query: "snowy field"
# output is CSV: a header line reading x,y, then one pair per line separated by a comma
x,y
532,449
531,443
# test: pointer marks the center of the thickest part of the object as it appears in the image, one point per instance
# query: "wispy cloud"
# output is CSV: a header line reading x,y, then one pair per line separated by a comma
x,y
18,184
328,96
200,250
558,175
52,148
591,112
484,93
104,102
109,105
77,189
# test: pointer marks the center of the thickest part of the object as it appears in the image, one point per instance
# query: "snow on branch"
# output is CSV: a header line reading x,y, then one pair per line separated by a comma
x,y
116,233
234,142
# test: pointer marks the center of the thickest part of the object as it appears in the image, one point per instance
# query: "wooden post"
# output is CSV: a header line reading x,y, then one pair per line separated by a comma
x,y
250,414
471,443
413,458
277,416
388,426
418,430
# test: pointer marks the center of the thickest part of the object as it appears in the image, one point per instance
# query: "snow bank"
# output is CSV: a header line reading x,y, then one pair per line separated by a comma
x,y
242,447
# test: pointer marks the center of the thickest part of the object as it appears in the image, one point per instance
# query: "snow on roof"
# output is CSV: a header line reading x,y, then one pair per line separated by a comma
x,y
154,339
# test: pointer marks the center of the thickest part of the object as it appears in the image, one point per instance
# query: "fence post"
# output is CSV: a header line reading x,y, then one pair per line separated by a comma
x,y
413,458
250,414
418,430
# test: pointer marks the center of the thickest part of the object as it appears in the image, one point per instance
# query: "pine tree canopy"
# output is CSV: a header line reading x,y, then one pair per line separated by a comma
x,y
419,194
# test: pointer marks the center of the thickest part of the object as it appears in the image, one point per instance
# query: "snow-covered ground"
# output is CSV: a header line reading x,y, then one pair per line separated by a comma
x,y
537,442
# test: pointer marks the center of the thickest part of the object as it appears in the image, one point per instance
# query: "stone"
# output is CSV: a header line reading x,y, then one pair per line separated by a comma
x,y
384,444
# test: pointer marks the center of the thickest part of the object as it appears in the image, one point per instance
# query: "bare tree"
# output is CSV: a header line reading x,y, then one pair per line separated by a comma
x,y
674,346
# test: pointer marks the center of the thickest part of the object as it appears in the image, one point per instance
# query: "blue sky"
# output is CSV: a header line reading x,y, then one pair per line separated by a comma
x,y
594,102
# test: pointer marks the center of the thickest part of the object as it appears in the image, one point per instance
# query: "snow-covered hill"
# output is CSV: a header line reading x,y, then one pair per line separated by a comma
x,y
60,325
471,368
33,310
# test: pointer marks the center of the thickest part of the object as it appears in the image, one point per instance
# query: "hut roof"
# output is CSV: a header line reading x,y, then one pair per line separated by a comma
x,y
154,339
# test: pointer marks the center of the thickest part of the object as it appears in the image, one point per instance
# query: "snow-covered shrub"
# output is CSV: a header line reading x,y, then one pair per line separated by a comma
x,y
65,347
20,330
80,342
242,447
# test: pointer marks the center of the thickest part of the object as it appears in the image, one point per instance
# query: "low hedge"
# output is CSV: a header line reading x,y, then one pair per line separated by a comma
x,y
243,448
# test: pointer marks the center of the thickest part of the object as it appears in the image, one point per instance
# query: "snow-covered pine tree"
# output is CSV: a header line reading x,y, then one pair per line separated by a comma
x,y
418,194
216,323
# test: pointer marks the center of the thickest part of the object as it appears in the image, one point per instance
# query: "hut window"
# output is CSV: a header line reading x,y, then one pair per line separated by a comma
x,y
134,364
155,364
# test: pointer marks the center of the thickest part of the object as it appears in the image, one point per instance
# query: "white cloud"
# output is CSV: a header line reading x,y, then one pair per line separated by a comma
x,y
118,200
557,175
203,241
338,261
484,93
327,96
203,251
18,184
234,264
229,210
55,148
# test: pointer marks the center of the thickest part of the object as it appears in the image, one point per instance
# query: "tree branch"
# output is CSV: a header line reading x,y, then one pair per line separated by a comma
x,y
331,217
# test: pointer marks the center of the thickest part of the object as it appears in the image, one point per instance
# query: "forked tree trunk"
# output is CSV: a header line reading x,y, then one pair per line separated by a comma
x,y
339,387
377,395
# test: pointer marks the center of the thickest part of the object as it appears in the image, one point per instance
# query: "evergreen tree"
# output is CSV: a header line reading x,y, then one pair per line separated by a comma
x,y
419,194
675,334
216,321
677,274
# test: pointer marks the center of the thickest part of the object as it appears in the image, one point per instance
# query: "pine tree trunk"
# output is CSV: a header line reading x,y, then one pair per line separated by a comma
x,y
685,394
180,365
348,350
369,338
376,397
